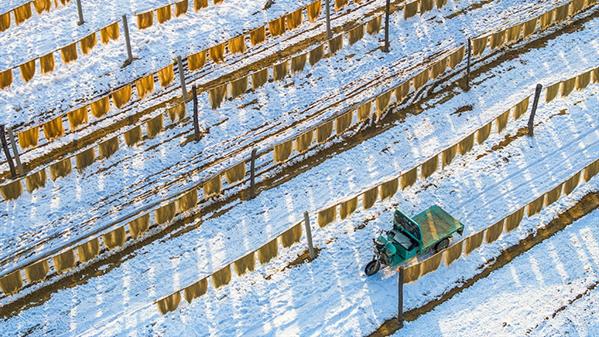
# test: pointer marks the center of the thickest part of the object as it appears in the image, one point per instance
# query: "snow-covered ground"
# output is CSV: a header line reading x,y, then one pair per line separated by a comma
x,y
536,294
332,288
105,189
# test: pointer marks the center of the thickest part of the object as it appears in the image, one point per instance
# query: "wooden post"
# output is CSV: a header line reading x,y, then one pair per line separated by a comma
x,y
11,165
196,121
15,151
309,234
182,78
535,103
387,10
468,65
328,13
80,13
400,297
253,174
127,41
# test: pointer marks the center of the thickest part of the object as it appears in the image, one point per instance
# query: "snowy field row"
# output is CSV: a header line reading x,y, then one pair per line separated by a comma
x,y
200,251
145,163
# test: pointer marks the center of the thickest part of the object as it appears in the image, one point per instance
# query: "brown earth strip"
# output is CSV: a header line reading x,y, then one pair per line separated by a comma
x,y
586,205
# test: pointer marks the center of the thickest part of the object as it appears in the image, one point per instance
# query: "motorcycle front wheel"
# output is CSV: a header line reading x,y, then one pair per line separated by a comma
x,y
372,267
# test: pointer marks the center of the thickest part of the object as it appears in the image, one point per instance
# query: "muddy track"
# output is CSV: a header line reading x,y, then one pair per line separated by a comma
x,y
106,264
197,167
586,205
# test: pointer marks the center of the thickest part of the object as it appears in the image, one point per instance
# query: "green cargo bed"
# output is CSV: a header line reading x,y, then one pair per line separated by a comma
x,y
436,224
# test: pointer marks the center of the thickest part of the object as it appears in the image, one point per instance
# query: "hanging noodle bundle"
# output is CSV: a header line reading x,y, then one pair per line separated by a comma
x,y
466,144
212,187
100,107
145,20
449,154
11,283
268,251
181,7
453,253
259,78
257,36
429,167
138,226
374,25
294,19
165,213
12,190
356,34
109,147
326,216
483,133
27,70
389,188
144,86
277,27
316,54
22,13
166,75
35,180
197,60
163,13
474,241
536,205
303,141
60,169
292,235
85,158
110,32
369,197
114,239
335,44
513,220
313,10
364,111
64,261
5,78
53,129
282,151
169,303
195,290
217,53
324,131
37,272
492,233
237,45
348,207
235,173
121,96
280,71
133,136
69,53
431,264
88,250
456,57
408,178
382,102
187,201
343,122
238,87
88,43
222,277
245,264
298,62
